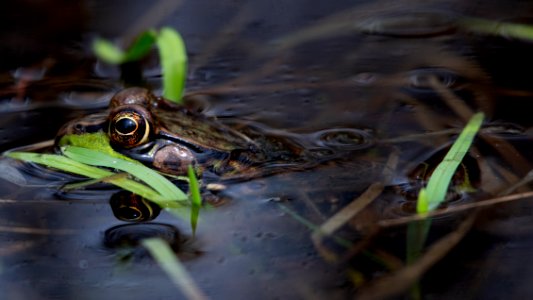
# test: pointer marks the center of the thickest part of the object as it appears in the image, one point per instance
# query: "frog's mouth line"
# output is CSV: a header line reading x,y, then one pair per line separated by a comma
x,y
165,136
143,153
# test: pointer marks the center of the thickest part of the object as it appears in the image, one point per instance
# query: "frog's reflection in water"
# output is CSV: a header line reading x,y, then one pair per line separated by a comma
x,y
126,239
129,207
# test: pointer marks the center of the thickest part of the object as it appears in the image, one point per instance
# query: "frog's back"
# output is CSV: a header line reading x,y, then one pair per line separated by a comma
x,y
201,131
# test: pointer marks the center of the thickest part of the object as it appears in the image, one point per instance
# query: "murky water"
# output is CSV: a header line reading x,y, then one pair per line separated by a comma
x,y
388,71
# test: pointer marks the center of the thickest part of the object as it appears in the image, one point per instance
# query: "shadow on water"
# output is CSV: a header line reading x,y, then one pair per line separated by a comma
x,y
386,83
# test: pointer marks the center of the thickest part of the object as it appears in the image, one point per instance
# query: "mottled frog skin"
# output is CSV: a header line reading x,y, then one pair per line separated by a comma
x,y
169,137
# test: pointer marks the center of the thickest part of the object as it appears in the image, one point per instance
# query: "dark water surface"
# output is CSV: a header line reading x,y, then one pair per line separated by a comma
x,y
385,69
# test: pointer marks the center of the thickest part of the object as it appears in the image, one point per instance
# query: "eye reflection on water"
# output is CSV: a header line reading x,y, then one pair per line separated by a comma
x,y
366,80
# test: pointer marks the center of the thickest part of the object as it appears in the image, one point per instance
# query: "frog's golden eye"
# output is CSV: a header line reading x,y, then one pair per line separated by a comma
x,y
129,127
133,208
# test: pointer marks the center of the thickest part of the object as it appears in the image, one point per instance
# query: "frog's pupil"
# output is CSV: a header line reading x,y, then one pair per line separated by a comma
x,y
126,126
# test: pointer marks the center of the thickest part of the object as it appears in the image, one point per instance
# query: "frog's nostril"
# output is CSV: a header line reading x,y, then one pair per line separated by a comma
x,y
79,128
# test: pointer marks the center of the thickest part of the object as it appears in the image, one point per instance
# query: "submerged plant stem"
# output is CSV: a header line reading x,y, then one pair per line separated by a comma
x,y
398,282
170,263
454,209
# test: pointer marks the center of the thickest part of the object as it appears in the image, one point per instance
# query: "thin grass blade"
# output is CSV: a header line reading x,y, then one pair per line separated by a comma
x,y
108,52
435,192
159,183
173,57
513,30
69,165
97,141
167,260
196,199
80,185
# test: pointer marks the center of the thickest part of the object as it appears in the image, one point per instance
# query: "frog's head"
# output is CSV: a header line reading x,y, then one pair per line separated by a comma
x,y
134,131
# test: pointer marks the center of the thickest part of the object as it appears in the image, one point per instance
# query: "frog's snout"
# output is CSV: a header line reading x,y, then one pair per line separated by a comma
x,y
89,124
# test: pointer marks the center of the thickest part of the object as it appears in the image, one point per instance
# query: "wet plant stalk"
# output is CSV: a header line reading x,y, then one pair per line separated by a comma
x,y
434,194
417,233
172,54
169,262
196,199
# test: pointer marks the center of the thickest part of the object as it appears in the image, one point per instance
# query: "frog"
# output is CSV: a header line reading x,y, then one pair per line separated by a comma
x,y
169,137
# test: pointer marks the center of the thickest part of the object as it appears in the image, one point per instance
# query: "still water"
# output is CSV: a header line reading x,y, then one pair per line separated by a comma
x,y
390,71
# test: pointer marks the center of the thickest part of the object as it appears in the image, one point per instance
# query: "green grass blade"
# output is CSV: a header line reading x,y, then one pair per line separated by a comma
x,y
416,238
80,185
142,45
315,228
514,30
167,260
172,54
196,199
97,141
108,52
173,57
422,204
69,165
159,183
435,192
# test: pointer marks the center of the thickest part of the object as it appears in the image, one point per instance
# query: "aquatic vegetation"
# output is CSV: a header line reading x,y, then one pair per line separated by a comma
x,y
173,58
505,29
169,262
172,53
433,195
96,141
85,161
417,262
110,53
66,164
196,199
390,72
167,190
